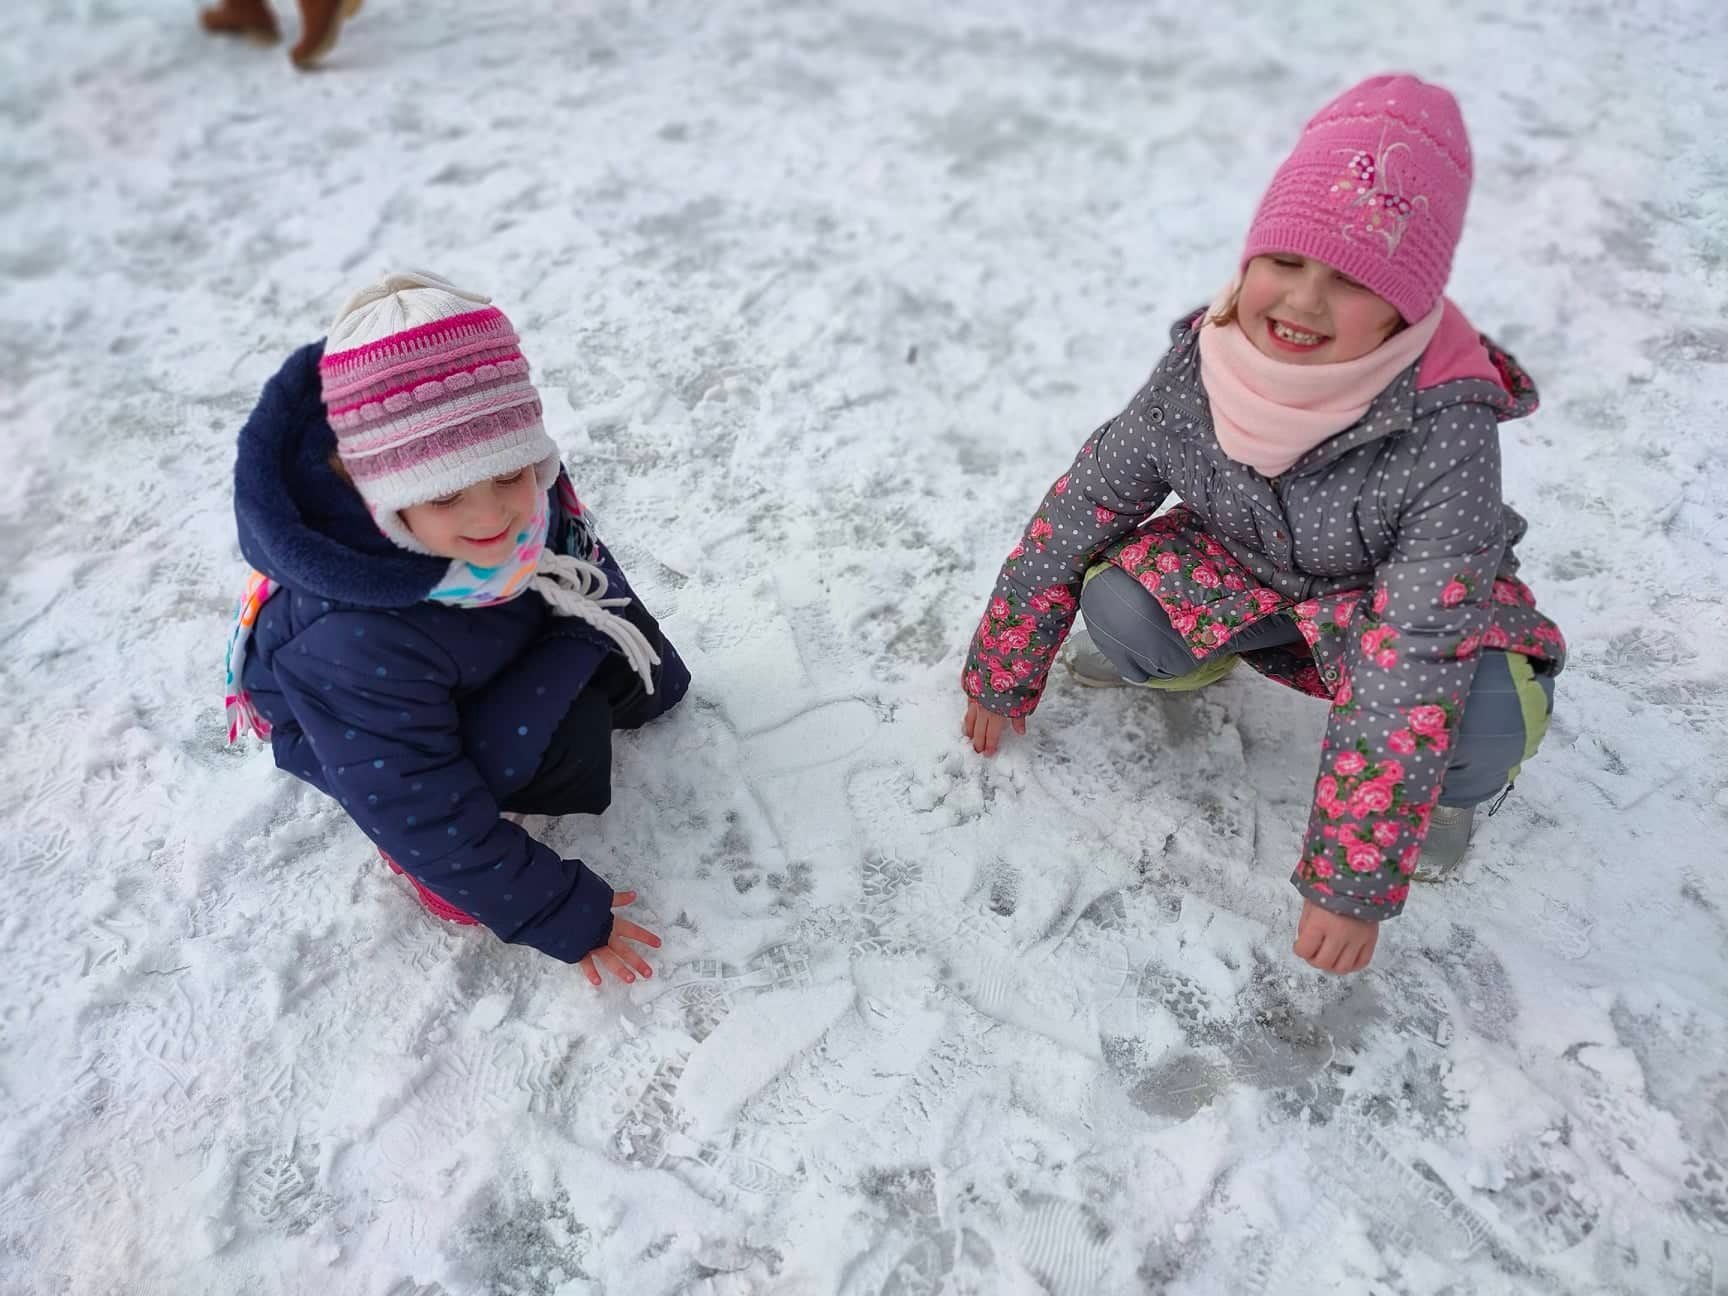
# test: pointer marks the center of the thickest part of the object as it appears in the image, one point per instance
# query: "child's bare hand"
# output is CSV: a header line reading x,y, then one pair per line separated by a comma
x,y
1332,942
616,956
984,728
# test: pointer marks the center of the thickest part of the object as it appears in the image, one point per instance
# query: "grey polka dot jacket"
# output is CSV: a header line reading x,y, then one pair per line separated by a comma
x,y
1388,544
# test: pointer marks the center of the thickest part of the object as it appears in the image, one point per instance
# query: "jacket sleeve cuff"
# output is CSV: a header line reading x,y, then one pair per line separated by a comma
x,y
584,922
571,927
1368,909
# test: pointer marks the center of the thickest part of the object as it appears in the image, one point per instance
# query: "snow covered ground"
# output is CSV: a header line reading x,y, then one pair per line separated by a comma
x,y
820,297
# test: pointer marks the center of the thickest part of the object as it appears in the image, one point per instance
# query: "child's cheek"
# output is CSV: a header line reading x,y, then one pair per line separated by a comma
x,y
1253,301
1353,330
1366,320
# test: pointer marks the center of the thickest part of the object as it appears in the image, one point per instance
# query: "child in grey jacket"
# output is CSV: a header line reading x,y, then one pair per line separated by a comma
x,y
1330,424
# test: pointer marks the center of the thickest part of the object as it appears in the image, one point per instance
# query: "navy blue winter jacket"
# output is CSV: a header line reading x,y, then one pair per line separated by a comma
x,y
419,718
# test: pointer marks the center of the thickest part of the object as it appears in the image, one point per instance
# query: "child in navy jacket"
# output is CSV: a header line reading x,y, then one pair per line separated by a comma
x,y
433,634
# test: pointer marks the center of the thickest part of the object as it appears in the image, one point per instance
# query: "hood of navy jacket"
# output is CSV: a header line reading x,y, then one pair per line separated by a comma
x,y
300,523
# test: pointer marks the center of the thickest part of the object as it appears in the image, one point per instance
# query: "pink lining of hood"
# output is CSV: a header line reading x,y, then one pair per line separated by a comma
x,y
1455,352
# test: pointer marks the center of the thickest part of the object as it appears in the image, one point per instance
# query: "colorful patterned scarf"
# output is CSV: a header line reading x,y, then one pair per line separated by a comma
x,y
237,702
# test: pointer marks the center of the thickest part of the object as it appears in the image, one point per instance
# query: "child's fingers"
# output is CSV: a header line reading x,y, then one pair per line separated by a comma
x,y
622,898
1307,939
586,963
1019,724
608,958
631,959
1344,956
1327,957
623,927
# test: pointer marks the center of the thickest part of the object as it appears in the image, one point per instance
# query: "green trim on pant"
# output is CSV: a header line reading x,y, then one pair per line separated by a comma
x,y
1532,703
1206,673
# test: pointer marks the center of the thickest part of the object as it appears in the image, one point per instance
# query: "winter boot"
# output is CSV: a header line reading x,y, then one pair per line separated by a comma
x,y
1448,838
249,18
320,23
437,907
1093,669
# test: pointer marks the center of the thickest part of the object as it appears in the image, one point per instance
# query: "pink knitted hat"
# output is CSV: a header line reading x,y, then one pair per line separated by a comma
x,y
427,390
1376,188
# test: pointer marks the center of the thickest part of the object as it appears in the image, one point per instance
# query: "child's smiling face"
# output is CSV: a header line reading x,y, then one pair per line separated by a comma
x,y
478,525
1300,311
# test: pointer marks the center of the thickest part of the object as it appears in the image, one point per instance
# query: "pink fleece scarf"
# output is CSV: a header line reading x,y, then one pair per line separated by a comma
x,y
1268,414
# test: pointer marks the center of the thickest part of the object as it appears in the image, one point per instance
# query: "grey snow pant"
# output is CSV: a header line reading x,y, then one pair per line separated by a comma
x,y
1494,736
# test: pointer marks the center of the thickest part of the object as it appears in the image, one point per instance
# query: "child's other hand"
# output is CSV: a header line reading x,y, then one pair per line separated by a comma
x,y
615,956
984,728
1332,942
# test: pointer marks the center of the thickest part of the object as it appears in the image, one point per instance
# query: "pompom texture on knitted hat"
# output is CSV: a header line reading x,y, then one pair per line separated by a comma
x,y
427,390
1376,188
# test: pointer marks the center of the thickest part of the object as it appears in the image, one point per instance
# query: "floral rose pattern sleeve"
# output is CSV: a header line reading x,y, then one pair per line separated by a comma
x,y
1410,649
1112,486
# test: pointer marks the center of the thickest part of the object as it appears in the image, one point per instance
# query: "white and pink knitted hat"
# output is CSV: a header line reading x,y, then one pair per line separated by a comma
x,y
427,390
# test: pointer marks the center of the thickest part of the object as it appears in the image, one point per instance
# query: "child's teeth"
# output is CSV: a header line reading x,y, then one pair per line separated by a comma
x,y
1292,335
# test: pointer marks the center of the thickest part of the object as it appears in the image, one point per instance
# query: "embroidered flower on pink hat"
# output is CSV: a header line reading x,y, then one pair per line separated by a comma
x,y
1374,195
